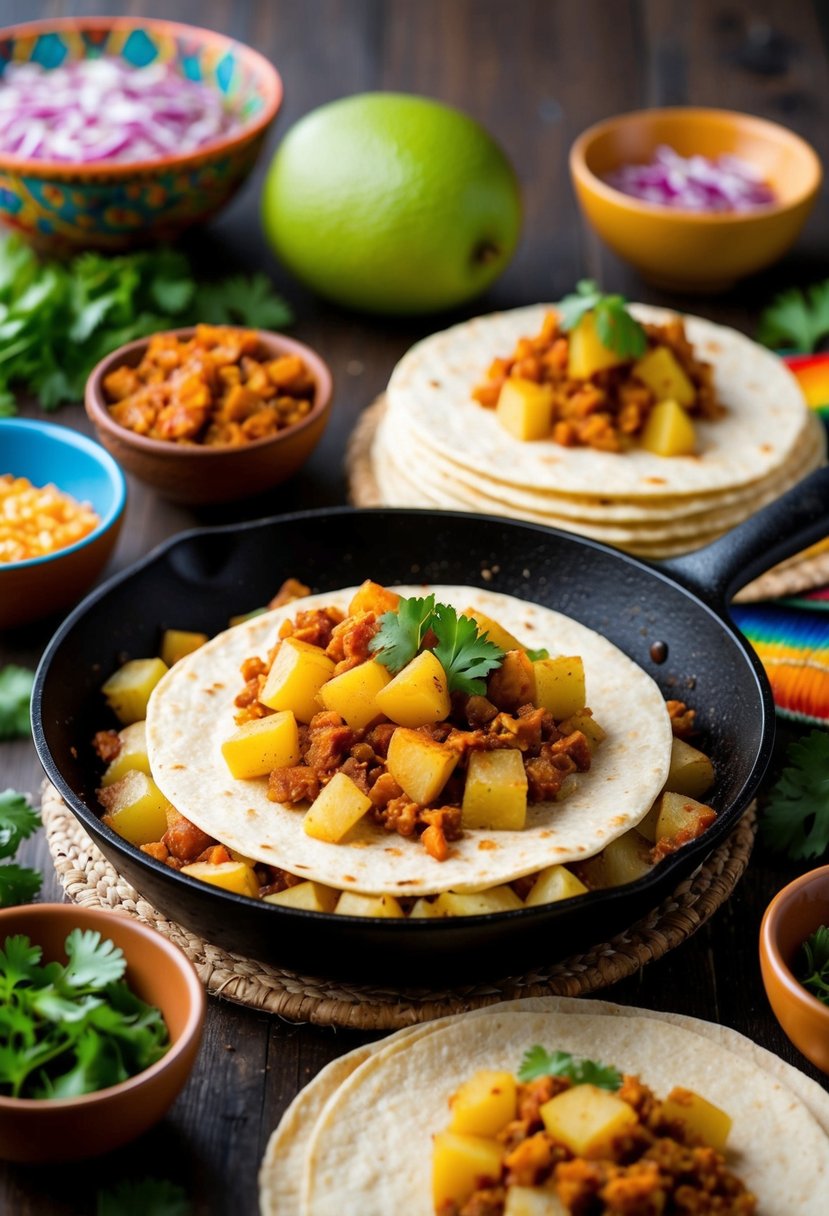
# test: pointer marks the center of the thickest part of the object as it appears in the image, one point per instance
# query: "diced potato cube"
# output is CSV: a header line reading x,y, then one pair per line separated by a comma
x,y
484,1103
559,685
176,643
495,632
659,369
587,724
418,695
554,883
353,695
624,860
477,903
237,856
460,1164
419,765
425,909
588,354
311,896
680,818
232,876
295,679
135,808
335,810
533,1201
586,1119
133,754
699,1116
372,597
495,794
352,903
525,408
669,431
691,771
260,746
128,689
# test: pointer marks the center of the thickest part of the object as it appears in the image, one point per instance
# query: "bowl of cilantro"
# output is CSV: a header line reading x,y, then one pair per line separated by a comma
x,y
102,1020
794,959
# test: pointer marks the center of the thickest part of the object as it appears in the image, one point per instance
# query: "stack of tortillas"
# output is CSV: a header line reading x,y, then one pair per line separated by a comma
x,y
437,447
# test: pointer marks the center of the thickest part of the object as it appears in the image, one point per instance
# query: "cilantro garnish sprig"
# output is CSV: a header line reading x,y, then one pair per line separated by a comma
x,y
617,329
18,885
538,1062
466,657
796,319
73,1028
813,971
795,819
15,694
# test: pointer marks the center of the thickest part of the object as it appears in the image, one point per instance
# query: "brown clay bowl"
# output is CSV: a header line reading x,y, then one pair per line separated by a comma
x,y
194,474
792,915
68,1129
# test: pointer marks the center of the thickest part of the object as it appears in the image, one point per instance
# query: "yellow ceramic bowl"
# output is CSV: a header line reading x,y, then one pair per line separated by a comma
x,y
684,250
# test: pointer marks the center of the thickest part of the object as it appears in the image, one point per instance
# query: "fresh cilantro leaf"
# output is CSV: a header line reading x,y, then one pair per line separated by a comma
x,y
146,1197
17,821
400,634
19,960
244,300
15,694
18,885
465,656
616,328
93,962
813,969
538,1062
796,320
795,819
535,655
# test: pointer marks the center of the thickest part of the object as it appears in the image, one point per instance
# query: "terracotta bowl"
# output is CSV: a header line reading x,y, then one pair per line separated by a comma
x,y
60,207
792,915
68,1129
684,250
47,453
193,474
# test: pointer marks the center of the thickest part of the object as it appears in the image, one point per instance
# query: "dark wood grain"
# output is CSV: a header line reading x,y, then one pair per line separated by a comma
x,y
535,73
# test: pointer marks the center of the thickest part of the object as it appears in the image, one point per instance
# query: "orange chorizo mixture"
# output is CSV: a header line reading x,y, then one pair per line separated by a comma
x,y
656,1164
36,521
216,388
609,408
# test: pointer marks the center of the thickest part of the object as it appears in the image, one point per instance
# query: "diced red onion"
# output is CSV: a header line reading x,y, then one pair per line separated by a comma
x,y
694,183
103,109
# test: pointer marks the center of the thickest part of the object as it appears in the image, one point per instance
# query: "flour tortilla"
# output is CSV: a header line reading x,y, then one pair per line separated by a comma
x,y
191,712
430,388
778,1145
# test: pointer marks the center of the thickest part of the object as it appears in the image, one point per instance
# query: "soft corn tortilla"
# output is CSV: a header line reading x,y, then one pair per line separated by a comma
x,y
191,713
429,396
370,1149
283,1165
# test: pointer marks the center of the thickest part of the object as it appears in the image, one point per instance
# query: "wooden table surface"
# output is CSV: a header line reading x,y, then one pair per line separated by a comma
x,y
535,72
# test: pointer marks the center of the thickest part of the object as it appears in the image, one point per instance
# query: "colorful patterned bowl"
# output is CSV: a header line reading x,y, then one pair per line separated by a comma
x,y
61,207
686,250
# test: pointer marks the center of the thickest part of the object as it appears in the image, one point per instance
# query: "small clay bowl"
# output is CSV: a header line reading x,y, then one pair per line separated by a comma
x,y
687,250
795,912
194,474
69,1129
46,453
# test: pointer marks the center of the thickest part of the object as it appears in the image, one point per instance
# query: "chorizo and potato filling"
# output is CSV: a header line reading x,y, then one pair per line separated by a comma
x,y
575,1136
216,388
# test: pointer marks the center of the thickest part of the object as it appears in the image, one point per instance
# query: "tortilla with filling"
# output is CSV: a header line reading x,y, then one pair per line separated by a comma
x,y
281,1173
191,713
371,1146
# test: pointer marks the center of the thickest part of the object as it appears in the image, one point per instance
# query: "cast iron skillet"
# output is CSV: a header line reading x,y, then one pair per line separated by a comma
x,y
198,580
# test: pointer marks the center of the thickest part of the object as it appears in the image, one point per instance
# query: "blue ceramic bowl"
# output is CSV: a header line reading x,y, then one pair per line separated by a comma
x,y
47,453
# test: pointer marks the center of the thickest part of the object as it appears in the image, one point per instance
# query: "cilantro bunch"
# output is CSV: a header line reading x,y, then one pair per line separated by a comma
x,y
18,885
796,320
538,1062
813,969
73,1028
795,819
465,656
15,694
616,328
58,320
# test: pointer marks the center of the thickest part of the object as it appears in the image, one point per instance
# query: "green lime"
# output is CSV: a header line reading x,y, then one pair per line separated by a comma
x,y
391,203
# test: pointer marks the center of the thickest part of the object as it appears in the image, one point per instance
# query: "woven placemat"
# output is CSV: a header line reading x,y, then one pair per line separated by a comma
x,y
89,879
798,573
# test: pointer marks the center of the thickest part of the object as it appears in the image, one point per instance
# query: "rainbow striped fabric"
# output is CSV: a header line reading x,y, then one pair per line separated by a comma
x,y
791,638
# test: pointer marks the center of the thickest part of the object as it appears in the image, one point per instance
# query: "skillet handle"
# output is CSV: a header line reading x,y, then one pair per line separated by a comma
x,y
784,527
